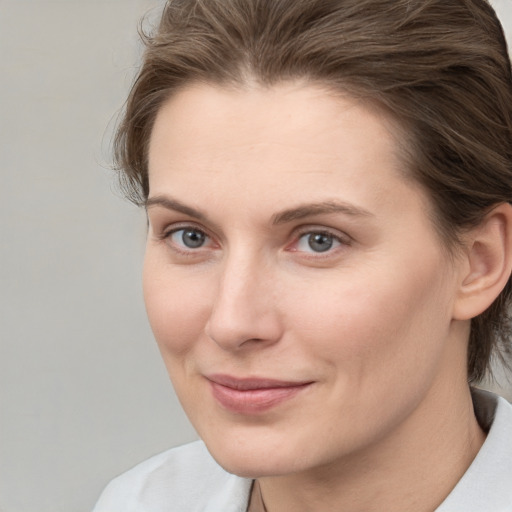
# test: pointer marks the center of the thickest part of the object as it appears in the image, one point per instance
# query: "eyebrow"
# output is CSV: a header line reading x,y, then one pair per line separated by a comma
x,y
288,215
322,208
173,204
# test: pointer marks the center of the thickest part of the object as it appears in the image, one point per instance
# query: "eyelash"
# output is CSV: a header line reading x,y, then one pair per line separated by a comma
x,y
190,252
342,240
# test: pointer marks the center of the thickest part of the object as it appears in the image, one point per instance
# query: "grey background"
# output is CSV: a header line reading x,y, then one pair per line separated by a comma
x,y
83,393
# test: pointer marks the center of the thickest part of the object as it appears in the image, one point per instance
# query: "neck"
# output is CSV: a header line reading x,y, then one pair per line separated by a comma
x,y
414,468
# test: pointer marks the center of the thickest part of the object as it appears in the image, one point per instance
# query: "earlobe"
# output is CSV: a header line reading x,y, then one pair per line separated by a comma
x,y
487,263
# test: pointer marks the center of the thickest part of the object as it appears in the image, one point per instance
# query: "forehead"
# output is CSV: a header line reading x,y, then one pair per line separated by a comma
x,y
213,120
293,141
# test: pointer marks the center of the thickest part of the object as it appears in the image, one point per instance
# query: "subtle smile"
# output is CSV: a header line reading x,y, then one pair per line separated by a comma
x,y
252,395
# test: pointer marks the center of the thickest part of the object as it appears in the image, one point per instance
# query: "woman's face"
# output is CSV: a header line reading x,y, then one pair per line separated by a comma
x,y
295,284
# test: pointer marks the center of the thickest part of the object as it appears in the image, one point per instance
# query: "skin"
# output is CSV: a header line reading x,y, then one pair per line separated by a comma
x,y
370,323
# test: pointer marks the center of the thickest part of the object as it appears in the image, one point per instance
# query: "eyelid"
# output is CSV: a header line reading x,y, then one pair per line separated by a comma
x,y
178,226
343,237
165,236
165,233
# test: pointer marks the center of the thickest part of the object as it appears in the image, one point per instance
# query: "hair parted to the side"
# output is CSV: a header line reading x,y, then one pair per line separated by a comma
x,y
440,67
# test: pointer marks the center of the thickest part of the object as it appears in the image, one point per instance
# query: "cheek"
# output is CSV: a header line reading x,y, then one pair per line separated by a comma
x,y
177,307
371,322
374,338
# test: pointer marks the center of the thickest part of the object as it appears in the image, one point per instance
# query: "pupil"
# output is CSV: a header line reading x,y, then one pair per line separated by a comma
x,y
320,242
193,239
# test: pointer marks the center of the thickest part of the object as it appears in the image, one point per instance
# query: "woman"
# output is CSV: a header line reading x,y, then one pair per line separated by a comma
x,y
328,188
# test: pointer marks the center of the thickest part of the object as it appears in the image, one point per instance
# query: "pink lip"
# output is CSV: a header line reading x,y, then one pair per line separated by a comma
x,y
252,395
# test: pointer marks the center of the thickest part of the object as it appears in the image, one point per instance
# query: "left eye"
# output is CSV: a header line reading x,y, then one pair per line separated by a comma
x,y
317,242
189,237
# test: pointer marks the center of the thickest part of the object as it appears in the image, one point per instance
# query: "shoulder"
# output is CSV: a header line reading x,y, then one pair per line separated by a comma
x,y
186,478
487,484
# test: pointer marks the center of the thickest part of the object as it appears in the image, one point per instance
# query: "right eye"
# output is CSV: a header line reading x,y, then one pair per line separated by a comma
x,y
317,242
188,238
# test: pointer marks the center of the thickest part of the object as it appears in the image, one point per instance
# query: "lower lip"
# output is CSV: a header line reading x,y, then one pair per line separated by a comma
x,y
254,401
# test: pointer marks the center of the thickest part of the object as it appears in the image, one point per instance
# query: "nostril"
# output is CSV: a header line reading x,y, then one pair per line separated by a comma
x,y
237,333
227,338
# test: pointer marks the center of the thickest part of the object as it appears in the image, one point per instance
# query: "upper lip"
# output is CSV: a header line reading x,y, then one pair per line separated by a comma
x,y
249,383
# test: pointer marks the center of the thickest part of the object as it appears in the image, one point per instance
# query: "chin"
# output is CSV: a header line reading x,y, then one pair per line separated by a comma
x,y
257,459
251,468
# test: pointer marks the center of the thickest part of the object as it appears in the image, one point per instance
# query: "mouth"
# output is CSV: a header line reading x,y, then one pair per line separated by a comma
x,y
253,395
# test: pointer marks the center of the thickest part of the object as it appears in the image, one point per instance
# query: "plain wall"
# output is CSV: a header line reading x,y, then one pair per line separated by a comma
x,y
83,393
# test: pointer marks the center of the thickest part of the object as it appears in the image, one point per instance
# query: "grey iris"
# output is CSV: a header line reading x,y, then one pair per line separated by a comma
x,y
192,238
320,242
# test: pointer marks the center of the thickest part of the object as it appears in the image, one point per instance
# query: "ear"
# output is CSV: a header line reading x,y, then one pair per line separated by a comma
x,y
487,263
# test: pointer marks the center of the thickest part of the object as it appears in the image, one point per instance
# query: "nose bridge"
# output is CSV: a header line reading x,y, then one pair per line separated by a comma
x,y
243,309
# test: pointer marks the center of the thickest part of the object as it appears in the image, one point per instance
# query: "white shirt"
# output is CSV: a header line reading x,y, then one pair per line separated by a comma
x,y
187,479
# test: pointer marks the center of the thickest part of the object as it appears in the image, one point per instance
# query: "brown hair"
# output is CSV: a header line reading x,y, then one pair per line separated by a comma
x,y
441,67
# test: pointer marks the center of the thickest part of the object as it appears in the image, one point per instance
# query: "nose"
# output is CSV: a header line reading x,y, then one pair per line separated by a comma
x,y
244,312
